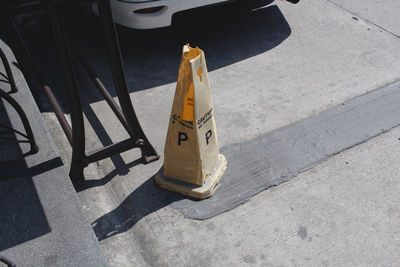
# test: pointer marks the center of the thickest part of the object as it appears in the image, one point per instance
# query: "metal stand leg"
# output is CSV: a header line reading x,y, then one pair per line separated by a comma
x,y
78,131
43,81
148,152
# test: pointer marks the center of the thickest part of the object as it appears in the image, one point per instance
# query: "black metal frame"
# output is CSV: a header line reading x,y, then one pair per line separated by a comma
x,y
125,112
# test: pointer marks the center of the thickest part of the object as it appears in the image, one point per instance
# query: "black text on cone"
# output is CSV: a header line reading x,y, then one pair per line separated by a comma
x,y
192,163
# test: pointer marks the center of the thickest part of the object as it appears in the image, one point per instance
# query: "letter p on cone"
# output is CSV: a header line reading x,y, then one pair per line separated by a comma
x,y
192,163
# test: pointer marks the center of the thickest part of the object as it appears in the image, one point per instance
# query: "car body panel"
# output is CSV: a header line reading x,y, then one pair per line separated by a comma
x,y
124,11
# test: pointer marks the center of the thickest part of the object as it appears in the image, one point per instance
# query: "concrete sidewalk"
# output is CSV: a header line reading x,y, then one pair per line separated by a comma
x,y
343,212
269,68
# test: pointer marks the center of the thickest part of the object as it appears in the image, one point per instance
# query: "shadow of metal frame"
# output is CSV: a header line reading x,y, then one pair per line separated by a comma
x,y
17,107
75,132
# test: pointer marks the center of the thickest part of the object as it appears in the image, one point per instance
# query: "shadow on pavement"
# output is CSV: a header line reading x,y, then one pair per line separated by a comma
x,y
227,33
152,57
22,217
146,199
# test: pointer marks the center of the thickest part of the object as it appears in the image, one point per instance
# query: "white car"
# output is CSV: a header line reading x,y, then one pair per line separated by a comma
x,y
149,14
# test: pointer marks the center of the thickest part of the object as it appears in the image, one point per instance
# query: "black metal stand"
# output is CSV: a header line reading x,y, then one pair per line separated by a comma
x,y
125,112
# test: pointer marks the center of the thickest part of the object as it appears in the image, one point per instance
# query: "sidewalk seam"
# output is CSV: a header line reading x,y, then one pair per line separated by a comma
x,y
367,20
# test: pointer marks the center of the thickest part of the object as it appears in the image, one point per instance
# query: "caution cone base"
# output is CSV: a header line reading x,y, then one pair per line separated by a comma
x,y
204,191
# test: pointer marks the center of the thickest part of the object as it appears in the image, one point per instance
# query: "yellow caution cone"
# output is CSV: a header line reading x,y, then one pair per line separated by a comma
x,y
192,163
